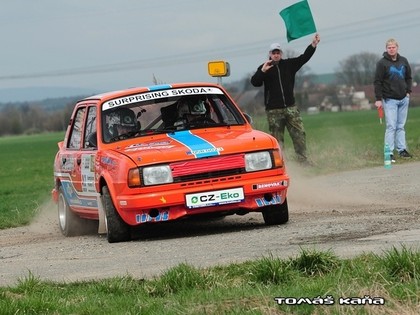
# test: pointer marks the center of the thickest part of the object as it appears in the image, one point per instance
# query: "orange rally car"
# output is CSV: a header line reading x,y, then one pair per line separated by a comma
x,y
164,152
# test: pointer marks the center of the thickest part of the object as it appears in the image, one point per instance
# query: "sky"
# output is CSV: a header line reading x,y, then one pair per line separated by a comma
x,y
107,45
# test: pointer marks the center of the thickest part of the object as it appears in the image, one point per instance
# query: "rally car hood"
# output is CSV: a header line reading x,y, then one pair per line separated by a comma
x,y
194,144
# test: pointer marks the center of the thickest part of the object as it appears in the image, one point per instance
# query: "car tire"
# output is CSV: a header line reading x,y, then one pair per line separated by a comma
x,y
116,229
276,214
68,222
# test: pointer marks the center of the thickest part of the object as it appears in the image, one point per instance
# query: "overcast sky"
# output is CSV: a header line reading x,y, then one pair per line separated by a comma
x,y
114,44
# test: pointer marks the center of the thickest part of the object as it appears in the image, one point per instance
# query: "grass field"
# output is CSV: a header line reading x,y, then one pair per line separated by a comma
x,y
310,283
349,140
26,172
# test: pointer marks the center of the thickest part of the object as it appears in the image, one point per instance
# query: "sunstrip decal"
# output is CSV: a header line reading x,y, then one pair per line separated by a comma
x,y
157,93
198,146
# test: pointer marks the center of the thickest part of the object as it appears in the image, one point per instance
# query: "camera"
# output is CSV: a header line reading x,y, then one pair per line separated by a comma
x,y
273,62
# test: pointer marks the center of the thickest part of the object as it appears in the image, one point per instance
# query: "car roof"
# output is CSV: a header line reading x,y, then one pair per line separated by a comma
x,y
113,94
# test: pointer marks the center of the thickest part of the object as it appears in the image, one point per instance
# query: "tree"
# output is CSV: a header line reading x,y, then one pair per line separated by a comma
x,y
358,70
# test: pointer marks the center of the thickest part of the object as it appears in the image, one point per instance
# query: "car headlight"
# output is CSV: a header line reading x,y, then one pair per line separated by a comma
x,y
155,175
257,161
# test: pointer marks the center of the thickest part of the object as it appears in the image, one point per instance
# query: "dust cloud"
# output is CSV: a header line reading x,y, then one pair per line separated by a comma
x,y
46,220
318,193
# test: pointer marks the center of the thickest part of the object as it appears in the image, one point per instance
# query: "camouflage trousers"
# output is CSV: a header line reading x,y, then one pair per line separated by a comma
x,y
289,117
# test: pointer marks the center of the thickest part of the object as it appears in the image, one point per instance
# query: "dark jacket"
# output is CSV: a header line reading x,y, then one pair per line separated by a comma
x,y
392,78
279,80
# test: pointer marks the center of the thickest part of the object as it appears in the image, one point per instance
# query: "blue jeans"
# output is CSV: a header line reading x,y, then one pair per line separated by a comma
x,y
396,112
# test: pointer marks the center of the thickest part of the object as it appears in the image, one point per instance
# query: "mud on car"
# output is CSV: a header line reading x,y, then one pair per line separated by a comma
x,y
165,152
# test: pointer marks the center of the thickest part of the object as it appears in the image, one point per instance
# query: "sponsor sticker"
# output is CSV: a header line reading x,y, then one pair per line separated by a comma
x,y
144,217
88,173
198,146
152,95
214,198
270,185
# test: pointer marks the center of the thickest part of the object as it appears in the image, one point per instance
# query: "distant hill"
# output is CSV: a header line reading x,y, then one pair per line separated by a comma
x,y
36,94
27,94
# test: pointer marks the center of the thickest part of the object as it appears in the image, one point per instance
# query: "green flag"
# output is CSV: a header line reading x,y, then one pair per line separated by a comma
x,y
298,19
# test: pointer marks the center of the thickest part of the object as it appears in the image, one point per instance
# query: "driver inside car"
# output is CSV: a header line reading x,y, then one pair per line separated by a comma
x,y
121,121
190,110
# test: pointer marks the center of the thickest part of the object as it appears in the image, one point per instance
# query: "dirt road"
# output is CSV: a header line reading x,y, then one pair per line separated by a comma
x,y
349,213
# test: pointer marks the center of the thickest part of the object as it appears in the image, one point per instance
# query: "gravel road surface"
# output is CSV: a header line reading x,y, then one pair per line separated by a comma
x,y
349,212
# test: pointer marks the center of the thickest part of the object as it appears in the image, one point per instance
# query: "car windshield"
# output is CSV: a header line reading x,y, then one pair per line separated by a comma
x,y
166,111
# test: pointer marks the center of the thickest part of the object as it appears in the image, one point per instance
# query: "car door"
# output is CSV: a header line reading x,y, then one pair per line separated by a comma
x,y
88,152
78,160
71,158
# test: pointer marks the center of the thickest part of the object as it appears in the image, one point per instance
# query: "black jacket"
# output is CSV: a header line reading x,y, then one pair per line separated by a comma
x,y
392,78
279,80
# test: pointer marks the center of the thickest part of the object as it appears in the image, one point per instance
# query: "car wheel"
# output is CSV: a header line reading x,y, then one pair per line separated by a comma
x,y
276,214
69,223
116,229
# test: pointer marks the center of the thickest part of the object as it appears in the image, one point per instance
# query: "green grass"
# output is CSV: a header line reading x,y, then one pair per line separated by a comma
x,y
26,172
263,286
349,140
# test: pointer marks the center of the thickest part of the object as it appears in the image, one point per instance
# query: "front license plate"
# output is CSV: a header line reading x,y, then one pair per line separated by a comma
x,y
214,198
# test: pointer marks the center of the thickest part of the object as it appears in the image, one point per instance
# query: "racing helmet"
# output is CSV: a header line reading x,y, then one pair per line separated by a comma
x,y
191,106
123,117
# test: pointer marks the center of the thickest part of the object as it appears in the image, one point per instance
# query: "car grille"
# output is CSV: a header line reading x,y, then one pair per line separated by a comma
x,y
208,170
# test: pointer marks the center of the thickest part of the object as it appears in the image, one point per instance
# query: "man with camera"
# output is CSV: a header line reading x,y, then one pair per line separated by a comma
x,y
278,77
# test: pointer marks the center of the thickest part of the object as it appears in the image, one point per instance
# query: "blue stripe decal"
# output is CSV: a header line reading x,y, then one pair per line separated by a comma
x,y
73,199
159,87
198,146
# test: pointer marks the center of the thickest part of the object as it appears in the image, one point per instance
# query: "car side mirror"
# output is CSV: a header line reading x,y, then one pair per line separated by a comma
x,y
249,118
